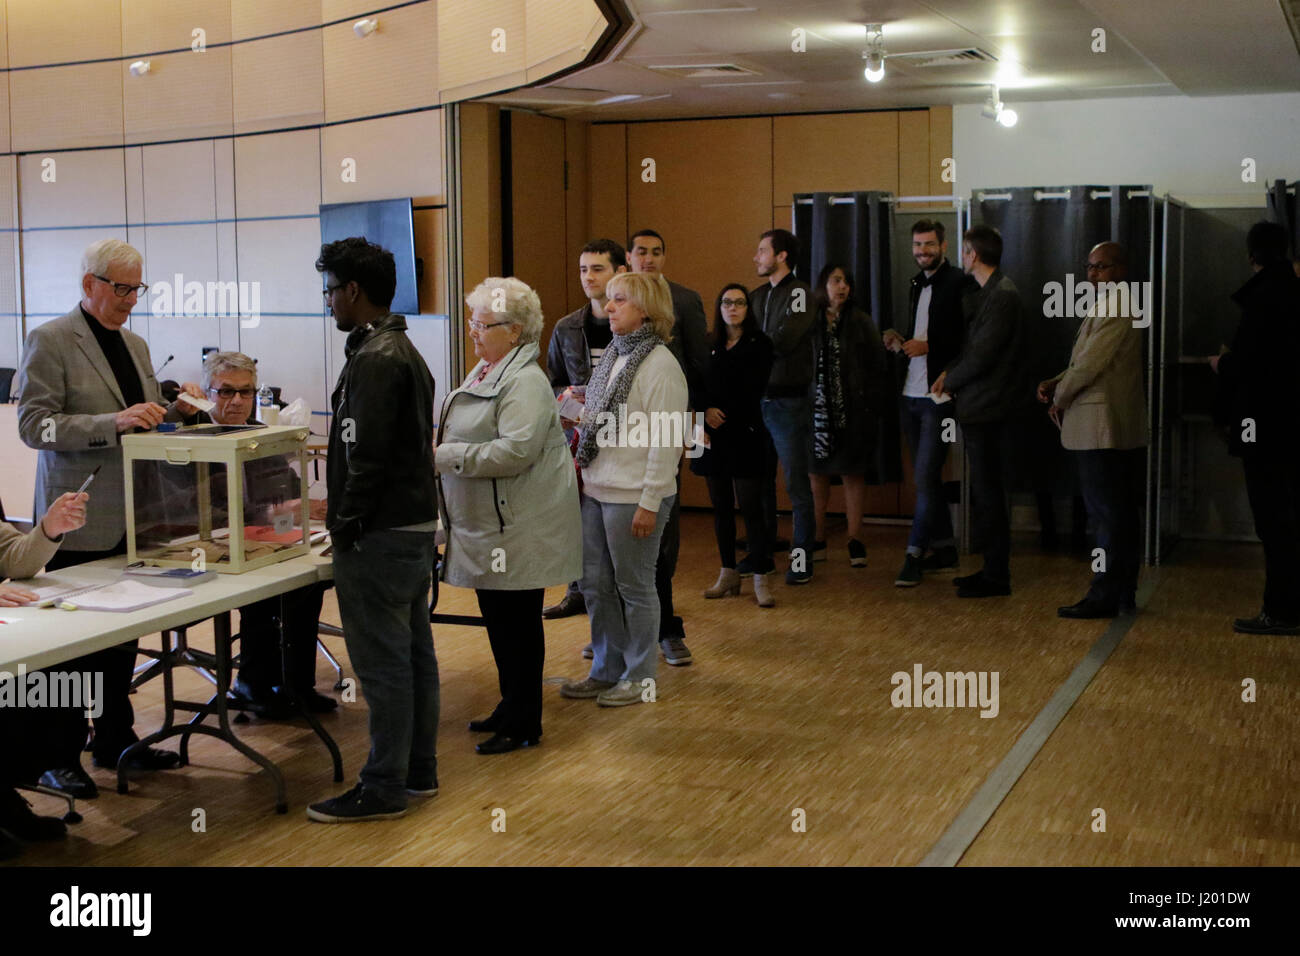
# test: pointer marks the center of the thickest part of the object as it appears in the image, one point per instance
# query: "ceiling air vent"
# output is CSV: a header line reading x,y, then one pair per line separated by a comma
x,y
924,59
702,71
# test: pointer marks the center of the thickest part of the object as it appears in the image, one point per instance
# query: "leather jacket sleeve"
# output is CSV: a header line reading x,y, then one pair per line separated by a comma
x,y
376,386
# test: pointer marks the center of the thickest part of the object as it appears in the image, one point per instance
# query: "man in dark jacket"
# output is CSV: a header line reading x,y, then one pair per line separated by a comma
x,y
785,310
928,340
1257,406
983,380
690,345
577,343
382,517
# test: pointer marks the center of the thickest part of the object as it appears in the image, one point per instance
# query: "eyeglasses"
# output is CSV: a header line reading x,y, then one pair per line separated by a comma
x,y
123,289
1098,266
226,394
483,327
733,303
330,290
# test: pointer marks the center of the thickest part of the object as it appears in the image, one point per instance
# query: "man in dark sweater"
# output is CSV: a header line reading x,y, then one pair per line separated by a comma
x,y
928,339
690,345
1256,405
382,516
785,310
577,343
983,379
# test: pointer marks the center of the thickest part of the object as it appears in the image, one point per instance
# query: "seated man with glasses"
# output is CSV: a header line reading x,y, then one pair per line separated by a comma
x,y
230,380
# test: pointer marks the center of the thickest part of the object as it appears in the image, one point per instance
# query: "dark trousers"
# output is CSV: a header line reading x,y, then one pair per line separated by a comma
x,y
670,625
990,521
725,493
64,734
514,625
259,640
1113,482
922,424
1274,491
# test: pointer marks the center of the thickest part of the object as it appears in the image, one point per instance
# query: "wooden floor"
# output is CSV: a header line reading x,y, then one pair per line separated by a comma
x,y
788,710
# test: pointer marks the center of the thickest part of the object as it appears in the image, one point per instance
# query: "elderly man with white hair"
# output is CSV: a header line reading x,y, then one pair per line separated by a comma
x,y
509,500
85,380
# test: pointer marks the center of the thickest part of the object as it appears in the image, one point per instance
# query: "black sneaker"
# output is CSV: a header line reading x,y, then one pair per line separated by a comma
x,y
422,786
1264,623
940,559
17,819
910,575
356,806
967,580
857,553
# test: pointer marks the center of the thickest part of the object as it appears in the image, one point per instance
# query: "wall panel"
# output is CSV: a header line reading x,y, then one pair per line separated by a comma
x,y
395,68
914,153
180,182
255,18
79,30
278,174
467,64
395,156
87,189
537,190
847,151
607,182
576,202
184,95
65,107
278,82
152,25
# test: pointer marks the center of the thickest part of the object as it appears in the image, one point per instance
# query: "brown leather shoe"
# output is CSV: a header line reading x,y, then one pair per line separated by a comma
x,y
569,605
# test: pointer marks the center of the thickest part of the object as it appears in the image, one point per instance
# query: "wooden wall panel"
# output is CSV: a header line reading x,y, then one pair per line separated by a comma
x,y
395,68
560,33
183,96
255,18
66,107
538,209
431,246
179,182
467,65
86,189
577,200
395,156
277,82
76,30
914,153
709,199
278,174
940,148
842,151
607,182
152,25
480,178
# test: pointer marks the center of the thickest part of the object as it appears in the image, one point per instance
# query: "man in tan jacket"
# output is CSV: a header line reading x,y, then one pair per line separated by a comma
x,y
1099,405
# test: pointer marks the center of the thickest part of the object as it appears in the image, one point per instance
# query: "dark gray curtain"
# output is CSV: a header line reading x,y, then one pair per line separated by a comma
x,y
1282,208
857,234
1044,240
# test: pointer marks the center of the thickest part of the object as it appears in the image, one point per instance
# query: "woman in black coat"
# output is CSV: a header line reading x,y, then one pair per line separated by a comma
x,y
733,461
847,391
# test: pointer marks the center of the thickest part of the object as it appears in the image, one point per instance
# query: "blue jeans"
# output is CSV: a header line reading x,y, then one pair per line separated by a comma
x,y
922,424
383,590
1113,484
618,582
789,421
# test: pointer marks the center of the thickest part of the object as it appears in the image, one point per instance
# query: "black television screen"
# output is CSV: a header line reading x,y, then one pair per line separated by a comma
x,y
386,222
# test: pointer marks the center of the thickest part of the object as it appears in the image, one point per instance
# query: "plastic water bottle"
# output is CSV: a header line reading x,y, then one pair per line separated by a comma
x,y
268,413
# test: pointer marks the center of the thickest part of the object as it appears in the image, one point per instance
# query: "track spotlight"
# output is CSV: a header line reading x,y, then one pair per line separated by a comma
x,y
874,55
363,28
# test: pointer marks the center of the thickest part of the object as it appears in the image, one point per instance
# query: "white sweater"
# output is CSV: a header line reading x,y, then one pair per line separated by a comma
x,y
638,459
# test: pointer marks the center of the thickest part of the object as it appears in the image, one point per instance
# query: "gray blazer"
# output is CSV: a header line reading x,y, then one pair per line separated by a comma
x,y
984,376
67,402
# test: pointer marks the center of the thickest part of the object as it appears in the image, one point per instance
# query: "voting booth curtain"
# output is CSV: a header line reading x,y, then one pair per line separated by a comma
x,y
1046,233
855,230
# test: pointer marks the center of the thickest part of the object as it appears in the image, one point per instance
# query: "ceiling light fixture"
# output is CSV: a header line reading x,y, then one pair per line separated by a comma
x,y
875,53
994,109
363,28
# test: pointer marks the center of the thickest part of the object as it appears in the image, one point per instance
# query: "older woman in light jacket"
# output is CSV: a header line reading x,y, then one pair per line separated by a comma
x,y
508,496
629,452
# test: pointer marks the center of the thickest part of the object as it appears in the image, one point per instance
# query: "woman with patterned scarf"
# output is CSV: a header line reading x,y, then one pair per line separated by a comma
x,y
847,391
629,472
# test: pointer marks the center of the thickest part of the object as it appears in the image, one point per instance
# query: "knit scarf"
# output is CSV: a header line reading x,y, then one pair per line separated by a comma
x,y
601,397
828,394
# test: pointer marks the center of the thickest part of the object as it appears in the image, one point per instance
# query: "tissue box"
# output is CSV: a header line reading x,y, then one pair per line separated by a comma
x,y
227,498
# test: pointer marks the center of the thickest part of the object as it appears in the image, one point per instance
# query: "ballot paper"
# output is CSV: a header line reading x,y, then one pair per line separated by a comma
x,y
124,595
202,404
940,399
49,590
571,408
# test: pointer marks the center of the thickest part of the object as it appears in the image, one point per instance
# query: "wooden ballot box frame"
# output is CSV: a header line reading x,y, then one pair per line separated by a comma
x,y
196,445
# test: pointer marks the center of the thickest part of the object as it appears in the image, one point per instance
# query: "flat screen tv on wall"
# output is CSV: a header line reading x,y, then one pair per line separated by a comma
x,y
387,222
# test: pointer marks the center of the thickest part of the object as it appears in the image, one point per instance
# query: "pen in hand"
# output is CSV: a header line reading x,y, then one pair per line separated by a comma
x,y
89,478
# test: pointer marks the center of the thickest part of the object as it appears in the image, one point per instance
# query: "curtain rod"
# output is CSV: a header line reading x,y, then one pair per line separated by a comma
x,y
1040,195
850,200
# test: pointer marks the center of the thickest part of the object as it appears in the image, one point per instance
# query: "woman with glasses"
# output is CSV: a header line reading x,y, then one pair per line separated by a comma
x,y
733,460
848,388
629,476
508,496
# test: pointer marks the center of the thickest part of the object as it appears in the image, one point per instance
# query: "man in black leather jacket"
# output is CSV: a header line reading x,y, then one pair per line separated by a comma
x,y
982,380
1256,404
382,517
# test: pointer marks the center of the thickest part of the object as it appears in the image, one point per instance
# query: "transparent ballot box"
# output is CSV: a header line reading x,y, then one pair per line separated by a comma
x,y
229,498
